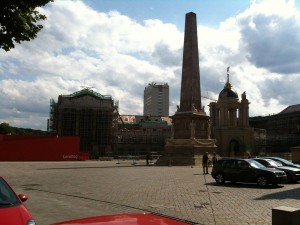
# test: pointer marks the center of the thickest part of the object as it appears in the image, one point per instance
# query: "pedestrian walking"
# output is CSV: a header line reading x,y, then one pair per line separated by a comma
x,y
205,163
147,159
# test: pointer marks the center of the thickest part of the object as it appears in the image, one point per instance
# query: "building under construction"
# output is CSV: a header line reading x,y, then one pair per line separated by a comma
x,y
141,135
87,114
283,129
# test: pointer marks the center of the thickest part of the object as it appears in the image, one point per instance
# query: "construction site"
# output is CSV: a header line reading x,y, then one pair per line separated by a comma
x,y
86,114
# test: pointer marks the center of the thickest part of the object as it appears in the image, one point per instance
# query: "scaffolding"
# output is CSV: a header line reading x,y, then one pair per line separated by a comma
x,y
282,129
51,121
87,114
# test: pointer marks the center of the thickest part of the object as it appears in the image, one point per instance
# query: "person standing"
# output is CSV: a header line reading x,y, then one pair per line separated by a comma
x,y
214,159
248,155
205,163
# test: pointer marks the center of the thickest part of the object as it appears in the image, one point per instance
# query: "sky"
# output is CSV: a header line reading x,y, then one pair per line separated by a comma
x,y
117,47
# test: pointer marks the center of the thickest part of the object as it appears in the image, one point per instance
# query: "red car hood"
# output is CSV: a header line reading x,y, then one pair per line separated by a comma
x,y
124,219
15,215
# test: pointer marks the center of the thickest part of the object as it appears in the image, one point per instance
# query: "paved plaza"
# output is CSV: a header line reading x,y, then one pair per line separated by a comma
x,y
67,190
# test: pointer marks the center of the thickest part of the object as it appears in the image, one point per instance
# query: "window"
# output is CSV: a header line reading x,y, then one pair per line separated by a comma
x,y
228,163
242,164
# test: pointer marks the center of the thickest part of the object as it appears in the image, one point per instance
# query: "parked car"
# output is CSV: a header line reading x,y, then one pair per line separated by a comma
x,y
248,171
12,209
293,173
125,219
283,161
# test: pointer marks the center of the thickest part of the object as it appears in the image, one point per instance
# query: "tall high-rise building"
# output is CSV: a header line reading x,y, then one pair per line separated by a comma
x,y
156,99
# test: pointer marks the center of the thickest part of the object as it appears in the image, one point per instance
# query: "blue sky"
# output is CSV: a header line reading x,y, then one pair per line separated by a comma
x,y
119,46
210,12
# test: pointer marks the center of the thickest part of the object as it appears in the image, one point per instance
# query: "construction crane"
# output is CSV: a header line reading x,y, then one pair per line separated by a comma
x,y
209,98
117,112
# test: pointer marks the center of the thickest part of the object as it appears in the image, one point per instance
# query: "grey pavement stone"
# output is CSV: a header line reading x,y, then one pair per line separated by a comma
x,y
67,190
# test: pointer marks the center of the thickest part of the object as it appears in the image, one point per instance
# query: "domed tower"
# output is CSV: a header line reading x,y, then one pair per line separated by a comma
x,y
230,122
228,104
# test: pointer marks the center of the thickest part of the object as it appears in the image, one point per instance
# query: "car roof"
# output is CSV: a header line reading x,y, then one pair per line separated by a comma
x,y
271,157
234,159
264,159
126,219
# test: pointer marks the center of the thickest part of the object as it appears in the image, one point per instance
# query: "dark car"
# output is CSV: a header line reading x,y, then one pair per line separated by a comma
x,y
293,173
283,161
248,171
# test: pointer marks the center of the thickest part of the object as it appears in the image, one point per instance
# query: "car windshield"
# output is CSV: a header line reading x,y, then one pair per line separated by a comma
x,y
255,164
274,163
7,196
284,161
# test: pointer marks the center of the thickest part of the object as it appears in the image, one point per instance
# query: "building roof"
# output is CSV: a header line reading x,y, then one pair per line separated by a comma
x,y
88,91
228,92
128,118
290,109
138,119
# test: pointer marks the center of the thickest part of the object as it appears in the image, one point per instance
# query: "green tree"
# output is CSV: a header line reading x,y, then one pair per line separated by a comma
x,y
19,21
6,129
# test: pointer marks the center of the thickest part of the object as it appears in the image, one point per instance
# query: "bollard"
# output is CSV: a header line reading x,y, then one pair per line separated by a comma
x,y
284,215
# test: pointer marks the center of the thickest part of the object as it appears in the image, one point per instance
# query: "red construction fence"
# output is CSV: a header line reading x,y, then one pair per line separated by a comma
x,y
40,148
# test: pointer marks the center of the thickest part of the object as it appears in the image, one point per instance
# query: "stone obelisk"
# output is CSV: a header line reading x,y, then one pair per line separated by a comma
x,y
191,127
190,81
190,118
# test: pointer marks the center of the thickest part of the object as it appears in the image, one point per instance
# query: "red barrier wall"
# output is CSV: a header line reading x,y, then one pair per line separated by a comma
x,y
40,148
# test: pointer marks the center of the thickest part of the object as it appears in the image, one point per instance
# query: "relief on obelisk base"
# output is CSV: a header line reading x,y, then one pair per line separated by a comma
x,y
193,127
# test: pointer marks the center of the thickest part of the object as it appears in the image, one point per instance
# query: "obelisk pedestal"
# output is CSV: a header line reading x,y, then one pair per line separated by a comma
x,y
191,127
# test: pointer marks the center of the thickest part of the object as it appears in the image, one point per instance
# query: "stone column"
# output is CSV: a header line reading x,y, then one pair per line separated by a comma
x,y
234,118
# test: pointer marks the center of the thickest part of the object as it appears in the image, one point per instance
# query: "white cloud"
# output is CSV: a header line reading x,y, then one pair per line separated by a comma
x,y
262,49
118,56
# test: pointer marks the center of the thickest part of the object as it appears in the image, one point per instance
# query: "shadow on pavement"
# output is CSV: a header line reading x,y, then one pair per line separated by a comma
x,y
244,185
87,167
288,194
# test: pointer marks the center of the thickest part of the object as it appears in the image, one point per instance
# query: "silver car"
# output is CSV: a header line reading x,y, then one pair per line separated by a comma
x,y
293,173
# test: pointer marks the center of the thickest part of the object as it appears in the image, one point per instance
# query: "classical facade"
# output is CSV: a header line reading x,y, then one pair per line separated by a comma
x,y
87,114
230,124
140,135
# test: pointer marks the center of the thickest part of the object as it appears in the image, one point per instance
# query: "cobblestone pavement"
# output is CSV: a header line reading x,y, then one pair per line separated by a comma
x,y
67,190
